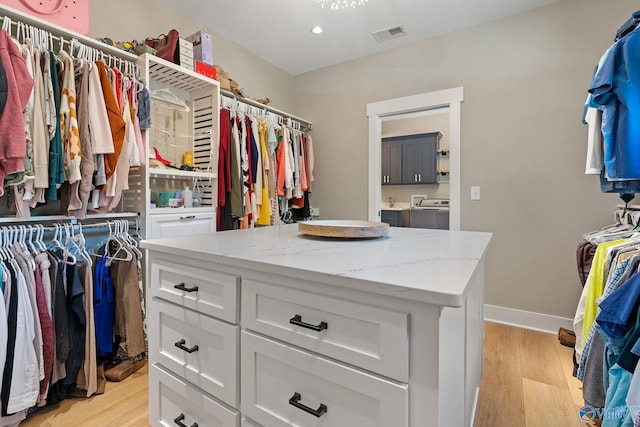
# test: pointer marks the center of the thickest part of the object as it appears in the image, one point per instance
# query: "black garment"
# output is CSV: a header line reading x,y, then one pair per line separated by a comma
x,y
77,324
12,320
225,221
305,211
60,315
584,257
4,88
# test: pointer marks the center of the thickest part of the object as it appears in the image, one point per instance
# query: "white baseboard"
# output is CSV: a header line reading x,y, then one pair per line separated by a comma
x,y
526,319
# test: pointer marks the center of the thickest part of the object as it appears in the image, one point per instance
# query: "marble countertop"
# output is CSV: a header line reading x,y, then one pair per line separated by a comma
x,y
432,266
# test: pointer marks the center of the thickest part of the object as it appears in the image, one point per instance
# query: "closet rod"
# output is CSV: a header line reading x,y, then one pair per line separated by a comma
x,y
51,218
58,31
86,226
305,123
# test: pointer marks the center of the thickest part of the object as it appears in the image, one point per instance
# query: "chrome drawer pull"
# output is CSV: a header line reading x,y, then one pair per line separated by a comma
x,y
295,401
180,345
183,287
297,320
187,217
178,421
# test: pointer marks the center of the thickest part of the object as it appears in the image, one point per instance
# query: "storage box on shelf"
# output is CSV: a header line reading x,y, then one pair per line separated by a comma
x,y
185,132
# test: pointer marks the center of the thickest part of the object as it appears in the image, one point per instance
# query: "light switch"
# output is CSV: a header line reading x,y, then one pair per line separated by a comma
x,y
475,193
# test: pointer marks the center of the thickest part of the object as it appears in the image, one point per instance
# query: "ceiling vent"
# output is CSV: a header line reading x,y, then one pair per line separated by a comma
x,y
389,33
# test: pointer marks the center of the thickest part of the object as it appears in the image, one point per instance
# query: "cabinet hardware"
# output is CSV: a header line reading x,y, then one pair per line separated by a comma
x,y
419,177
178,420
415,177
187,217
297,320
295,401
180,345
183,287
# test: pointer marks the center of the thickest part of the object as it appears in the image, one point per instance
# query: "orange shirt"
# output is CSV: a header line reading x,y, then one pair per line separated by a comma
x,y
116,122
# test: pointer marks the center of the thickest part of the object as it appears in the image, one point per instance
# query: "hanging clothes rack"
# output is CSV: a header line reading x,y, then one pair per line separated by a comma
x,y
254,107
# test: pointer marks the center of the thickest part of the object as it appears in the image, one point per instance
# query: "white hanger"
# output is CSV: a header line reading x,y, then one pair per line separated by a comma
x,y
167,96
6,24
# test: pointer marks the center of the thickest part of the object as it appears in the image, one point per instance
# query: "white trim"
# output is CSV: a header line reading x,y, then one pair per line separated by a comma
x,y
526,319
409,105
476,399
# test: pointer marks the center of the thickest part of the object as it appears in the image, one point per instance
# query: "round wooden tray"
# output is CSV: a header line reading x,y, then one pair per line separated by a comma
x,y
344,229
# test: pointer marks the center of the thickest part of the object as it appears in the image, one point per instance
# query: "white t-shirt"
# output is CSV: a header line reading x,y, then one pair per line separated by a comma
x,y
595,162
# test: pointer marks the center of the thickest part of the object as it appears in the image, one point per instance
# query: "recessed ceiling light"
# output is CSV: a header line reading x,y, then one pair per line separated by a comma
x,y
317,30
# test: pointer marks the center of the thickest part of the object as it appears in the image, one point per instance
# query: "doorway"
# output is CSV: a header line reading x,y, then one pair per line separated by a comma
x,y
406,108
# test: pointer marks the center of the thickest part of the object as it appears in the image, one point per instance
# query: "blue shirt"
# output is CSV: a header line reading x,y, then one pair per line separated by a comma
x,y
618,311
615,87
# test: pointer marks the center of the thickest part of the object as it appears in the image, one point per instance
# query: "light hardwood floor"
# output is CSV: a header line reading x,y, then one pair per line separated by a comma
x,y
527,382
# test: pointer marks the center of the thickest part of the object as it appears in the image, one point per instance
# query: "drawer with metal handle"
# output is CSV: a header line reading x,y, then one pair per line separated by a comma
x,y
285,386
196,347
207,291
373,338
174,402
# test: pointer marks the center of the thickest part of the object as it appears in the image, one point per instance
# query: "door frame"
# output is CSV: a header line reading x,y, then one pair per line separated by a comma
x,y
376,111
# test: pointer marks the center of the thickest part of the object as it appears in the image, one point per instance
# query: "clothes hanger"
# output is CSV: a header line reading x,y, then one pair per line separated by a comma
x,y
119,246
167,96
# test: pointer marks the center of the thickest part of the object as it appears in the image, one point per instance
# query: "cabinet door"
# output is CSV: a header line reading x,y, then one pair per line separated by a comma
x,y
391,157
411,159
391,217
427,167
419,158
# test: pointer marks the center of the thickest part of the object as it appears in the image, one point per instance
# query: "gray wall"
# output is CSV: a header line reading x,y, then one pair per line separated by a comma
x,y
525,81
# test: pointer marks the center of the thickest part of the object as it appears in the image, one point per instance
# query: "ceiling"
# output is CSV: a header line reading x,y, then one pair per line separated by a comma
x,y
280,30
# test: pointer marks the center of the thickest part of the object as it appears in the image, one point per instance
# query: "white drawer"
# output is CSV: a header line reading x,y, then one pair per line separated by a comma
x,y
246,422
206,291
173,401
369,337
282,386
178,225
198,348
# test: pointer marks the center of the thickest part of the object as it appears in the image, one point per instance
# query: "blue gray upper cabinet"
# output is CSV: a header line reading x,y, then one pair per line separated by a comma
x,y
419,159
391,162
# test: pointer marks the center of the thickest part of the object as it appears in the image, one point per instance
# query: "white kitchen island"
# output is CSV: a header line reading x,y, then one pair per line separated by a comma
x,y
268,327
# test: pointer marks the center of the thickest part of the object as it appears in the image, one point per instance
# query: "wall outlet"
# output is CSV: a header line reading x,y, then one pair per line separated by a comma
x,y
315,211
475,193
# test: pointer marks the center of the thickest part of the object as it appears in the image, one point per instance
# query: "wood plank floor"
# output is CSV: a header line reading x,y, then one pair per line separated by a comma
x,y
527,382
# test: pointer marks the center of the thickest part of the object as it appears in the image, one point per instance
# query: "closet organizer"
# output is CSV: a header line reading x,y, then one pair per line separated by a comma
x,y
71,130
607,320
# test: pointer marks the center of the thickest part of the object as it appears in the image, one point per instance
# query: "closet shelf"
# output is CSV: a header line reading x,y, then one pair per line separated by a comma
x,y
177,173
162,71
51,218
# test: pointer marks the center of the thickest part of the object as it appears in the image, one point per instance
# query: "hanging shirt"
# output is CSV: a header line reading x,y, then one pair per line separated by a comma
x,y
615,87
104,307
69,122
56,161
116,123
101,137
25,384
